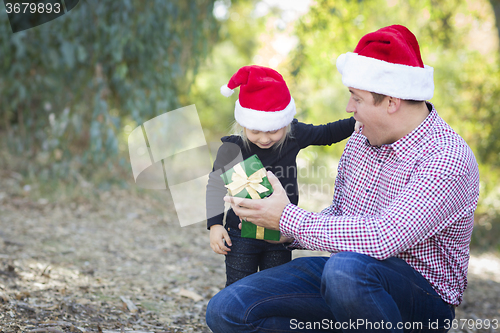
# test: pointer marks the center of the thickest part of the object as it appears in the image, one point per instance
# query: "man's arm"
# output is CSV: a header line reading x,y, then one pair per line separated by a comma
x,y
428,204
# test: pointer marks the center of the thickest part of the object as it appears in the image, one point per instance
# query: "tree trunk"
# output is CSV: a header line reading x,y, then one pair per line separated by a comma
x,y
496,9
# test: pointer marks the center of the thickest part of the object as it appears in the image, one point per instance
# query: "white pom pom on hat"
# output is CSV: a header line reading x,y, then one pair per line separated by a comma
x,y
225,91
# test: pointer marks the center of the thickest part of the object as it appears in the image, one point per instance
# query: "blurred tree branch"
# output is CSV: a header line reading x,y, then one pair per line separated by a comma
x,y
68,85
496,9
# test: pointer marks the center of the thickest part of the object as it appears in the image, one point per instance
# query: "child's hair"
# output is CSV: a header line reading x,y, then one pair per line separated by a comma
x,y
237,129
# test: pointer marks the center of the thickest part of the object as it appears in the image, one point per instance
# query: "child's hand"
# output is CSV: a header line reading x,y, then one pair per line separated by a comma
x,y
358,126
217,236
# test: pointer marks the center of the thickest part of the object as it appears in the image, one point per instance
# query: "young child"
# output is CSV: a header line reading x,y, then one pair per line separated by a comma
x,y
265,124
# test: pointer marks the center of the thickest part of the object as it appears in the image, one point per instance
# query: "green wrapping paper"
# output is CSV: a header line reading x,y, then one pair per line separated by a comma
x,y
248,179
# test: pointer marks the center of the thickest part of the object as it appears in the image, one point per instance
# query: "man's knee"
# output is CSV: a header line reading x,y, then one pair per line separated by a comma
x,y
217,313
345,264
344,274
225,311
212,311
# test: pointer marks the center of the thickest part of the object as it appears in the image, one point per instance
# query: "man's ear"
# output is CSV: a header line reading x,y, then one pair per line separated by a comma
x,y
393,105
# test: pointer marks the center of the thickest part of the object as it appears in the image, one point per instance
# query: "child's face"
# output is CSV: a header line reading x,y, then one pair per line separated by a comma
x,y
265,140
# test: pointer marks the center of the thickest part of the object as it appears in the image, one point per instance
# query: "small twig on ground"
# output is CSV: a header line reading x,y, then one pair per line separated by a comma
x,y
130,305
46,329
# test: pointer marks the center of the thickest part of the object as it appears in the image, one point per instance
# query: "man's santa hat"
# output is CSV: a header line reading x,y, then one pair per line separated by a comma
x,y
388,62
264,103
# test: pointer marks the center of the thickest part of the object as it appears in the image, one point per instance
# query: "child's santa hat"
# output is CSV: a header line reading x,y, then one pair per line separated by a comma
x,y
264,103
388,62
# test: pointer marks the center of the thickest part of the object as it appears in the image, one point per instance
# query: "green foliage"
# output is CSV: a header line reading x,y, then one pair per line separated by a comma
x,y
74,88
69,85
238,42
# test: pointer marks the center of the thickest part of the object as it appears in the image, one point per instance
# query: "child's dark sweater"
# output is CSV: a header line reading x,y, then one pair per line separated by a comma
x,y
282,162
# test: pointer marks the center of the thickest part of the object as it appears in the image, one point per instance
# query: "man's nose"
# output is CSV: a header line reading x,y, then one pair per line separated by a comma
x,y
350,106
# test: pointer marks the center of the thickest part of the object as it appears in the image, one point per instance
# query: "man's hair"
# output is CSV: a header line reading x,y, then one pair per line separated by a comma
x,y
378,98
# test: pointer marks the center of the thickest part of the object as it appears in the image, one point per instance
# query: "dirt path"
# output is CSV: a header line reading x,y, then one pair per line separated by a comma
x,y
120,262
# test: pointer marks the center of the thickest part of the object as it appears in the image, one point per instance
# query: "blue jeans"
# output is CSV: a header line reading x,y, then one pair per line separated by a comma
x,y
344,293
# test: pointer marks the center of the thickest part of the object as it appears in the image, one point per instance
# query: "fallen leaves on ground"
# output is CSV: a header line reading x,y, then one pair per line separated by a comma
x,y
120,262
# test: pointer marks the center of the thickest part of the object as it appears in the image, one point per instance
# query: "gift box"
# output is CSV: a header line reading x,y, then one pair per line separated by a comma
x,y
248,179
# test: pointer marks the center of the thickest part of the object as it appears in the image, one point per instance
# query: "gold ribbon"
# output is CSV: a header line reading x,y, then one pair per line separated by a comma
x,y
259,234
250,183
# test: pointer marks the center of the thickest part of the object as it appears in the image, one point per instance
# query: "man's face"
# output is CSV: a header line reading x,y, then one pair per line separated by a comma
x,y
373,117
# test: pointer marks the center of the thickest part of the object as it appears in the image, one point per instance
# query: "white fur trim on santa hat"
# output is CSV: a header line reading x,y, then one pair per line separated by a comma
x,y
395,80
224,90
264,121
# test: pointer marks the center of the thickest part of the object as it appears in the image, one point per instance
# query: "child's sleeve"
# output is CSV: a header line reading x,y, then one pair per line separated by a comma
x,y
326,134
227,156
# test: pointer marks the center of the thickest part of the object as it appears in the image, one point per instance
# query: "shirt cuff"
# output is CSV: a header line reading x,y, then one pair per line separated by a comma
x,y
290,221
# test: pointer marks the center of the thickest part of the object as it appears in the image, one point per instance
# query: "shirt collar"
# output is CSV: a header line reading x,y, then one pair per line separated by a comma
x,y
405,146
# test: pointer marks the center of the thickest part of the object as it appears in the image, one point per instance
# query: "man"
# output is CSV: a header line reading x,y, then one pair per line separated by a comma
x,y
400,223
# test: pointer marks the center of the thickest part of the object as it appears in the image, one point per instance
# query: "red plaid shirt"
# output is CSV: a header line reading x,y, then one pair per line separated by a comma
x,y
413,199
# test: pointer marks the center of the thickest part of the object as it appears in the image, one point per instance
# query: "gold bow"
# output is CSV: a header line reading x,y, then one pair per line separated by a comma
x,y
251,183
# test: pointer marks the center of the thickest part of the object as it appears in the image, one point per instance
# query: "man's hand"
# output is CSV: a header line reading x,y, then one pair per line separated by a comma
x,y
265,212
